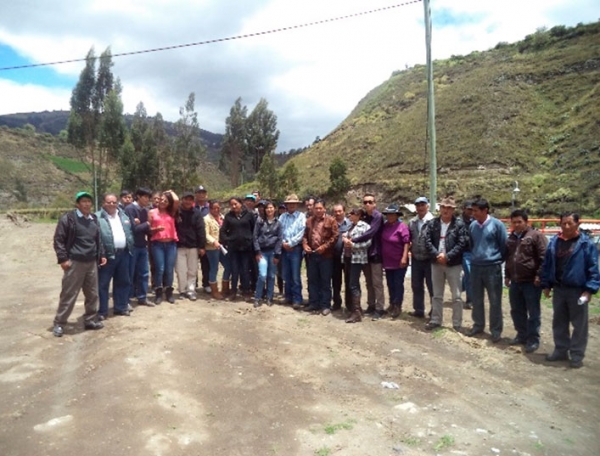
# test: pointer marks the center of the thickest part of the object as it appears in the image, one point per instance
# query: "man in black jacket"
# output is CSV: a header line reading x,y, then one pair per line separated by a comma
x,y
138,266
192,241
445,241
79,252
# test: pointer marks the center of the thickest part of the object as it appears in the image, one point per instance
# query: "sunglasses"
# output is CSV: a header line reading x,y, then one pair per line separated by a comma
x,y
369,202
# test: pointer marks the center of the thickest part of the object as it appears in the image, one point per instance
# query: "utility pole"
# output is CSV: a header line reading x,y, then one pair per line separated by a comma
x,y
430,110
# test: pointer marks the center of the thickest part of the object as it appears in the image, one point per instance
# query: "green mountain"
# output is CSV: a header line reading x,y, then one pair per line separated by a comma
x,y
526,112
54,122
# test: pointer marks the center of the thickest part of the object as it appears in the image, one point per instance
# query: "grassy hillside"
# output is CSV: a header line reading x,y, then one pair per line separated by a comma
x,y
527,111
41,170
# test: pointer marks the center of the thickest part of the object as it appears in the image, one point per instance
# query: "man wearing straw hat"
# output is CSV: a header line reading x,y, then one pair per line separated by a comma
x,y
293,223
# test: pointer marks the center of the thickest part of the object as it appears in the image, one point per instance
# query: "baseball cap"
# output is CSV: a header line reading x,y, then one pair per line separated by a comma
x,y
200,188
421,199
81,195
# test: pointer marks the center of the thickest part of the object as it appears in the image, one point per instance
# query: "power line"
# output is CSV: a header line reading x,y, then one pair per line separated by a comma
x,y
219,40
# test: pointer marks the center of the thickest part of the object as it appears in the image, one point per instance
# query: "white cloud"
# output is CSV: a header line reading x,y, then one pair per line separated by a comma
x,y
31,98
312,77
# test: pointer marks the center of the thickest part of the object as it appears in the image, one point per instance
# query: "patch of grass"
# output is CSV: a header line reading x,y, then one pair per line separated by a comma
x,y
303,321
538,445
69,165
569,440
439,333
331,429
410,441
444,442
323,451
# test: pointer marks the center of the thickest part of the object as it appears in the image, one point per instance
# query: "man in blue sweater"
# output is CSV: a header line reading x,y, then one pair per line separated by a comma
x,y
488,251
570,269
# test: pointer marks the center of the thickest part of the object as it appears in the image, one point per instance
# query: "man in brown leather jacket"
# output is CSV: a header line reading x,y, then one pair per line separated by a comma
x,y
319,241
526,249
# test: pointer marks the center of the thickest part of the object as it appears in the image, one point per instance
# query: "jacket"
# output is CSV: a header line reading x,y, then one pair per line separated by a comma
x,y
212,228
373,234
237,233
142,229
581,270
329,235
106,235
64,236
359,249
268,236
418,249
525,255
190,229
456,241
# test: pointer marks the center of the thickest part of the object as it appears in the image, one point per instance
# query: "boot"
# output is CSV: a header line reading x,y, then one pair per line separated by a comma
x,y
158,295
395,310
214,288
169,295
225,288
356,314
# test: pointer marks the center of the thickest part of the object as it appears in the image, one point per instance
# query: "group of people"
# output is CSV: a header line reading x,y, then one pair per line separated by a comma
x,y
258,244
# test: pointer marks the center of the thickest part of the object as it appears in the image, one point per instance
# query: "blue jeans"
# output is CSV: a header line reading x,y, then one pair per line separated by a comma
x,y
525,310
164,255
214,258
487,278
420,271
291,274
319,281
139,273
117,270
466,280
240,269
266,273
395,284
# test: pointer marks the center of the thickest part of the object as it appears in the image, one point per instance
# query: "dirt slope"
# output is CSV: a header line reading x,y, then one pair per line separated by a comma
x,y
210,378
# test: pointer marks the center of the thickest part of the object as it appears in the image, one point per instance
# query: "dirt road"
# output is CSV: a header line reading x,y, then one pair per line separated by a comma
x,y
215,378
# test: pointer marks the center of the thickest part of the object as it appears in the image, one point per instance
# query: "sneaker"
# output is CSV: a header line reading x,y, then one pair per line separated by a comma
x,y
576,363
431,326
297,306
182,296
376,316
207,289
129,307
516,341
468,305
556,356
93,325
530,348
457,328
257,303
474,331
496,337
269,302
325,312
58,331
369,310
416,314
192,295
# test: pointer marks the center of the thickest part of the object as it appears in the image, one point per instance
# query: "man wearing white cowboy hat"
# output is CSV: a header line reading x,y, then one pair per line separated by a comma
x,y
446,240
293,223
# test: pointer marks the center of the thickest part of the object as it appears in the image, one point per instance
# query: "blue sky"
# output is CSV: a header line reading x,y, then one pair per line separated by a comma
x,y
312,77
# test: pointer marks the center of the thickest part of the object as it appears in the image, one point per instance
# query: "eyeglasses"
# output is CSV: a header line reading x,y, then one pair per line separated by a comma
x,y
369,202
111,203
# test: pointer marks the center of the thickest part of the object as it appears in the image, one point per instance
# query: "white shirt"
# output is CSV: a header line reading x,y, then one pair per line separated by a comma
x,y
444,230
117,230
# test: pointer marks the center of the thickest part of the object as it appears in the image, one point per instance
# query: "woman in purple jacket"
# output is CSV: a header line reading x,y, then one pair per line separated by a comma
x,y
395,242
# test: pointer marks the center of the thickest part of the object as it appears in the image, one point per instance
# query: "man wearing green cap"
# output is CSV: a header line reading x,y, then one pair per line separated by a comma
x,y
79,252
